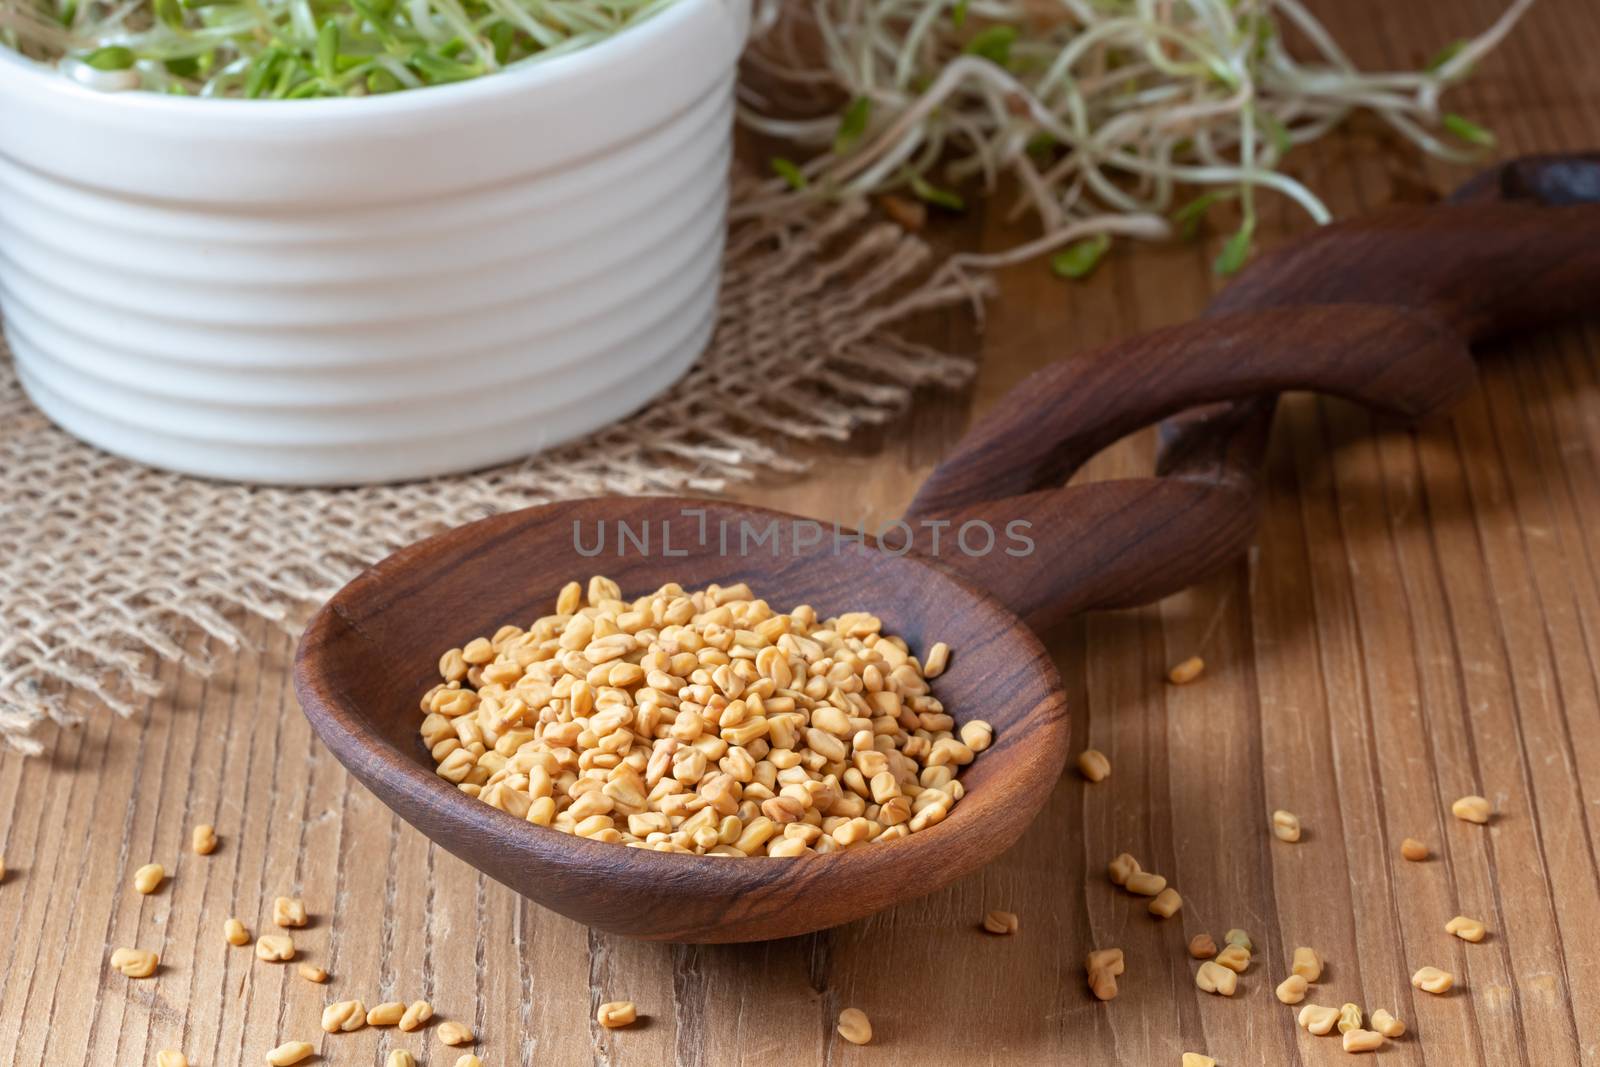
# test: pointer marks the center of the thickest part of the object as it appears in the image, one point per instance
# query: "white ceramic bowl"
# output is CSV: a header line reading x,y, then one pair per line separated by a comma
x,y
342,291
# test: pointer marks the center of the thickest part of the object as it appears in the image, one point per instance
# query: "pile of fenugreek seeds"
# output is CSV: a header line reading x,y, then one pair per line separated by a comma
x,y
702,722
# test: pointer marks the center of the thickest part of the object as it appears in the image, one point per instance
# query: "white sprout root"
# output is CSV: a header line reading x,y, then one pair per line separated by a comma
x,y
1105,112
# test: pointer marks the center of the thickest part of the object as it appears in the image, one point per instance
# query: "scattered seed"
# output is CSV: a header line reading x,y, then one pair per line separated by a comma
x,y
147,879
1307,964
235,932
1237,936
415,1016
289,1052
912,215
1362,1041
170,1058
1202,947
617,1013
1093,765
1194,1059
1102,967
275,948
1187,671
854,1026
388,1013
1466,929
1145,884
1349,1018
204,839
1471,809
344,1016
1317,1019
1000,922
289,912
1433,980
312,974
1292,990
1234,957
938,659
1387,1024
454,1033
1215,978
1122,868
1413,850
1285,825
1166,903
400,1058
469,1060
135,962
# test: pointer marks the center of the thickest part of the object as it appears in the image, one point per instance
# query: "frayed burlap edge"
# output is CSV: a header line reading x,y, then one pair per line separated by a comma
x,y
111,567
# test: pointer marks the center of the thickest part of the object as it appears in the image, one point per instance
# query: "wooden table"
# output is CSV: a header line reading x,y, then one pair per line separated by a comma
x,y
1421,620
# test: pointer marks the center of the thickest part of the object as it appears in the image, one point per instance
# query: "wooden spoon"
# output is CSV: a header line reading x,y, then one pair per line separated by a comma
x,y
1397,339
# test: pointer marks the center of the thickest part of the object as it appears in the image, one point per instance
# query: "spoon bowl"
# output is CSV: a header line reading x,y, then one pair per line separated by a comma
x,y
372,651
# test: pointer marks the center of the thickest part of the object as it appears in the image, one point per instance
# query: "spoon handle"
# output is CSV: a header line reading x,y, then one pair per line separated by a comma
x,y
1382,311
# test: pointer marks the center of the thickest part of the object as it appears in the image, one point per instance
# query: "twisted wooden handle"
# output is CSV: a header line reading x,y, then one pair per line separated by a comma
x,y
1382,311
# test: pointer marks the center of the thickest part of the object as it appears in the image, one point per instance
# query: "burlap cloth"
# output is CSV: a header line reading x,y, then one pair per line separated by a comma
x,y
106,565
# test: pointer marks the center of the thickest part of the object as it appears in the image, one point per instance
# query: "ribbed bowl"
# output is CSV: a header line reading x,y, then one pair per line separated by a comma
x,y
344,291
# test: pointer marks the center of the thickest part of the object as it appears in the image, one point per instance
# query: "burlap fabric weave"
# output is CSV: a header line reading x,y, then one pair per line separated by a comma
x,y
106,565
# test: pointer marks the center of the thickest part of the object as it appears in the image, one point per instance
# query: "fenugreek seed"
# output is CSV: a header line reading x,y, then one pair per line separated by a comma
x,y
938,659
1285,825
1433,980
290,1052
1362,1040
1466,929
1202,947
1292,990
135,962
1145,884
235,932
1102,967
1386,1024
1187,671
1413,850
1166,903
388,1013
1307,964
854,1026
275,948
413,1017
1471,809
570,599
400,1058
1234,957
1237,936
1093,765
204,839
147,879
170,1058
312,974
617,1013
1000,922
289,912
977,735
469,1060
1318,1019
1122,868
344,1016
1195,1059
454,1033
1349,1018
1214,978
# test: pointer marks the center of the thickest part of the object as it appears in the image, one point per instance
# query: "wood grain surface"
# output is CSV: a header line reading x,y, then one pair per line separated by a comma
x,y
1420,620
